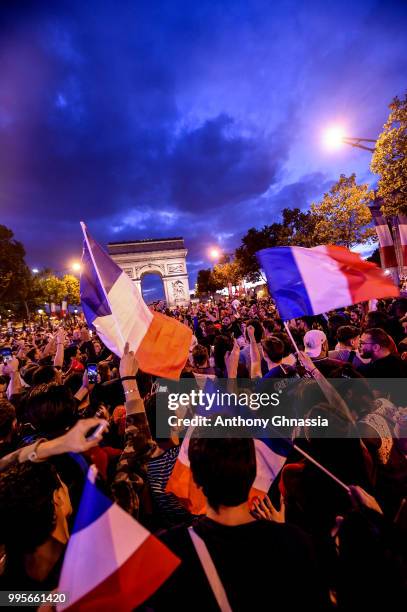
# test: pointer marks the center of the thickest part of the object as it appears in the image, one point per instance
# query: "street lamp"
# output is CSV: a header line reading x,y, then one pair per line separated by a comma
x,y
76,266
214,253
35,270
334,137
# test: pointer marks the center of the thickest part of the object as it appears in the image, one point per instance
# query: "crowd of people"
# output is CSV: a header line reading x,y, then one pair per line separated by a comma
x,y
308,544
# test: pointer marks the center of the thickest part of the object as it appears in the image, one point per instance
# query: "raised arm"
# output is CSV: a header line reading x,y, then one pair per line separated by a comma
x,y
11,369
255,358
74,441
59,355
139,445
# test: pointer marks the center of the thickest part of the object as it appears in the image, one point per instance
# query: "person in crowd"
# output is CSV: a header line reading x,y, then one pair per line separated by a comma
x,y
200,360
258,334
379,347
225,470
347,346
8,427
316,347
307,522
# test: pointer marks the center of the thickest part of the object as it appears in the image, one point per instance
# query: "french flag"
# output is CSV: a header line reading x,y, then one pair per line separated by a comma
x,y
386,244
313,281
402,227
113,305
269,462
111,562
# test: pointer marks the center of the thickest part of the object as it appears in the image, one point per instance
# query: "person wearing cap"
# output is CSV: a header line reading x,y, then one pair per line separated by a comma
x,y
316,347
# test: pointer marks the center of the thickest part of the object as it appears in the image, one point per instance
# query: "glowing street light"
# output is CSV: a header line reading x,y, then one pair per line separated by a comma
x,y
334,137
76,266
40,311
214,253
35,270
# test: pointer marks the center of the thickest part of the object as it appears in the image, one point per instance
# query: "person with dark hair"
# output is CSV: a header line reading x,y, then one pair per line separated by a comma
x,y
8,425
200,360
45,374
34,507
231,538
230,326
222,345
377,345
269,327
33,355
335,321
273,351
347,346
50,408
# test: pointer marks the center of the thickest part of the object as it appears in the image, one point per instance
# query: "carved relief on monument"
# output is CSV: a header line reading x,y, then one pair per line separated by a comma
x,y
178,290
175,268
129,272
150,267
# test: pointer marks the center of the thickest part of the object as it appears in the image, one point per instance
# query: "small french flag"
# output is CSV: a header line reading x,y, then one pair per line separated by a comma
x,y
181,483
313,281
113,305
111,562
402,227
386,244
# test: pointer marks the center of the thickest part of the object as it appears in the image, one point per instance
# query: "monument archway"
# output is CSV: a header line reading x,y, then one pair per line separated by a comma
x,y
163,256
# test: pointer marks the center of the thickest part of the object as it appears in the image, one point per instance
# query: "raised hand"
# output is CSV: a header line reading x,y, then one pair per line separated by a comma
x,y
232,360
264,509
128,363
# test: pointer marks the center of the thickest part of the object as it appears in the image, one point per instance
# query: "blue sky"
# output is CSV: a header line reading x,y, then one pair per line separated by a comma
x,y
195,119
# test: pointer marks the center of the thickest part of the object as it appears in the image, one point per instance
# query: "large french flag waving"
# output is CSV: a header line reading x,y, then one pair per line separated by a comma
x,y
111,562
113,305
312,281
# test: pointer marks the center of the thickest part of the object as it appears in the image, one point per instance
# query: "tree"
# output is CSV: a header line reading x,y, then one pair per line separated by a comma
x,y
343,216
72,292
227,273
206,283
389,159
50,288
14,273
296,228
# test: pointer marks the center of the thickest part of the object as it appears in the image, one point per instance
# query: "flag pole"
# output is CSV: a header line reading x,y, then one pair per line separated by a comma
x,y
85,235
300,450
291,337
321,467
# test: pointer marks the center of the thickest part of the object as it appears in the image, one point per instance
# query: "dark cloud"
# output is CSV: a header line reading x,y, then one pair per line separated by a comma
x,y
216,166
176,118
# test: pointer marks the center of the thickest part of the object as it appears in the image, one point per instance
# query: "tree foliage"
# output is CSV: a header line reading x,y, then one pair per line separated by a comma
x,y
14,273
72,292
296,228
50,288
343,216
206,282
389,159
226,273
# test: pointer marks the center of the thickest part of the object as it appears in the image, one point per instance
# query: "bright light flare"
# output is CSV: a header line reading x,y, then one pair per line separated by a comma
x,y
76,266
333,137
214,253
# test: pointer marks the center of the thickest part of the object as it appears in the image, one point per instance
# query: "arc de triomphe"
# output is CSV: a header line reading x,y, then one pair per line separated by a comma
x,y
164,256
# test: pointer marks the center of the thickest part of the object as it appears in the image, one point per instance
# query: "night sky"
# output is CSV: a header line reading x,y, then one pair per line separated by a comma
x,y
178,118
